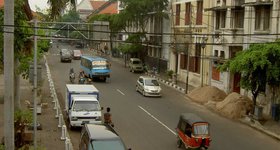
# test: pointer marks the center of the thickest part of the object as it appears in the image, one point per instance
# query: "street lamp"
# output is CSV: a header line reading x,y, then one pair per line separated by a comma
x,y
203,45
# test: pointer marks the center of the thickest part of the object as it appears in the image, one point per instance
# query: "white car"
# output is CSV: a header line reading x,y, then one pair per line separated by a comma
x,y
148,86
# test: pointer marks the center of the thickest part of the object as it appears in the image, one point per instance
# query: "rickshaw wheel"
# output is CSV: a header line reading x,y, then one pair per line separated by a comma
x,y
179,143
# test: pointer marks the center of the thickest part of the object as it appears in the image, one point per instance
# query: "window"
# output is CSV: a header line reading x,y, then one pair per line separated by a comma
x,y
262,18
216,53
221,19
188,14
222,54
194,62
178,10
199,13
237,18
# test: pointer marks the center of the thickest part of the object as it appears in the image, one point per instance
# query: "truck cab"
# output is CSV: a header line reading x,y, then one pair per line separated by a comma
x,y
82,105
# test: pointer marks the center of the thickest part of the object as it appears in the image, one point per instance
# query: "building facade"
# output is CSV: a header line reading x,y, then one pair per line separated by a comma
x,y
190,50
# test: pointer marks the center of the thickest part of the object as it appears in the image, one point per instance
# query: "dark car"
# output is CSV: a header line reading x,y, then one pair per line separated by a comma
x,y
100,137
65,55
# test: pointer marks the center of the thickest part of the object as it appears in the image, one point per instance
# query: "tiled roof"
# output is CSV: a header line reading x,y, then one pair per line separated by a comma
x,y
96,4
1,3
111,9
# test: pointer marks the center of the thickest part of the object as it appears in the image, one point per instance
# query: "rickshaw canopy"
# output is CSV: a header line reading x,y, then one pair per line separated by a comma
x,y
191,118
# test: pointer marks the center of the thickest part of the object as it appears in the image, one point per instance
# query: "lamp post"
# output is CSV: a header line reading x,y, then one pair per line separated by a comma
x,y
203,45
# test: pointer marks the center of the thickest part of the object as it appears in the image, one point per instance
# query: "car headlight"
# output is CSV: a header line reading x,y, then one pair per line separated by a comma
x,y
74,118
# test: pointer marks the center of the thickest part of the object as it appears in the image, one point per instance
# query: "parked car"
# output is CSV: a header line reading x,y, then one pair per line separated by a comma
x,y
76,54
100,137
65,55
148,86
135,65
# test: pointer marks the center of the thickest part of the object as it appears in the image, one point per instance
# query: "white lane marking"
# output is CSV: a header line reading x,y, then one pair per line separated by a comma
x,y
120,92
157,120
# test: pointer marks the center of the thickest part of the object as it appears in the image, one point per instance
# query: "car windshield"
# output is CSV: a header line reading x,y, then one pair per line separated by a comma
x,y
65,51
200,129
136,62
114,144
100,65
151,82
86,106
77,52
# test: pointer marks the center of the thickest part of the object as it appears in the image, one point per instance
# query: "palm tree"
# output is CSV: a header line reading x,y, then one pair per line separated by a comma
x,y
57,6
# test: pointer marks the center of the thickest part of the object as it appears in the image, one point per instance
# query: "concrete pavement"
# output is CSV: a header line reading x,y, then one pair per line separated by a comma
x,y
270,127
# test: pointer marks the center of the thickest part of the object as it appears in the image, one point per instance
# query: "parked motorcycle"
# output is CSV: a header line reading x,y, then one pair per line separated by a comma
x,y
82,80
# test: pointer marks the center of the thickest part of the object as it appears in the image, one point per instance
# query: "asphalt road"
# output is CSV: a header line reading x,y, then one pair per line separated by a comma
x,y
149,123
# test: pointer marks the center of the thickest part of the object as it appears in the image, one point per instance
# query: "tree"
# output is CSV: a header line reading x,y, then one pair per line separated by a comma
x,y
58,6
258,65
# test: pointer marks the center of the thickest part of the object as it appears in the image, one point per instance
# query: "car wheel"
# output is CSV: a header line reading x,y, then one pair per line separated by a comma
x,y
179,143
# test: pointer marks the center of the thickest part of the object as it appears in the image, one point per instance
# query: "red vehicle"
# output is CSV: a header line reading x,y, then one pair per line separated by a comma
x,y
193,132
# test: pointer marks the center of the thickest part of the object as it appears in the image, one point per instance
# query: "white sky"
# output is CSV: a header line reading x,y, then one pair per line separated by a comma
x,y
42,4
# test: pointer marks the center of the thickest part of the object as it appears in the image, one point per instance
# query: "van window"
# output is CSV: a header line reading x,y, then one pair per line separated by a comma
x,y
136,62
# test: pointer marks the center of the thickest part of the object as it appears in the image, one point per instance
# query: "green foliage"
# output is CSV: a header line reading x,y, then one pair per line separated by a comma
x,y
2,147
23,116
170,73
133,44
258,65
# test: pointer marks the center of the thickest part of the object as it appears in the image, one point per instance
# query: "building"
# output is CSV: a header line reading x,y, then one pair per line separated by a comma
x,y
236,25
190,51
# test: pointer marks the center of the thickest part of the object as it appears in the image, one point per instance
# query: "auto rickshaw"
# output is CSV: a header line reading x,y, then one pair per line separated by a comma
x,y
193,132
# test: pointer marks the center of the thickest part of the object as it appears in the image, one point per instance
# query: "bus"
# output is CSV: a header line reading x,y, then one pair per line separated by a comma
x,y
95,67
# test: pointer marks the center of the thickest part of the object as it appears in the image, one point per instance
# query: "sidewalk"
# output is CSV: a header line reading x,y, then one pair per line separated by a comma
x,y
269,127
49,137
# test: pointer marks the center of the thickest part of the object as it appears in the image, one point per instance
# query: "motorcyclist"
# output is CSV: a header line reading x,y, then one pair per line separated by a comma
x,y
72,75
82,77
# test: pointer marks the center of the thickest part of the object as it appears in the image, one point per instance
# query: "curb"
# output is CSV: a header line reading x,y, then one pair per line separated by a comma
x,y
170,84
55,99
256,125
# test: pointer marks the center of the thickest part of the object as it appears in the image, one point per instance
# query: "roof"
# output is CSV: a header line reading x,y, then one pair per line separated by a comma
x,y
109,7
1,3
100,132
191,118
85,88
96,4
93,57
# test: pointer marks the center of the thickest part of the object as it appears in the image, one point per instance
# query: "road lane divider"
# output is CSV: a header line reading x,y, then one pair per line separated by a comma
x,y
157,120
120,92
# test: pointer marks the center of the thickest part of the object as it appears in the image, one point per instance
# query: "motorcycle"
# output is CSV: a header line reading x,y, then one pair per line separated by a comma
x,y
72,77
82,80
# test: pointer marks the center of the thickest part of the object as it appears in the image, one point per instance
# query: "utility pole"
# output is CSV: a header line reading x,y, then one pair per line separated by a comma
x,y
188,52
35,87
9,133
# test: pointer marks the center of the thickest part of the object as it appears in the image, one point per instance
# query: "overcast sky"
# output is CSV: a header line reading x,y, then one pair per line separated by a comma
x,y
42,4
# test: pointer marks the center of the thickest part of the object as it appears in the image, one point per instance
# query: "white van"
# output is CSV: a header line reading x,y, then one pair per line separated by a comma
x,y
135,65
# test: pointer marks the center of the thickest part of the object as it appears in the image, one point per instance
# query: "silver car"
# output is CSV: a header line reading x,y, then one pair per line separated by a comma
x,y
148,86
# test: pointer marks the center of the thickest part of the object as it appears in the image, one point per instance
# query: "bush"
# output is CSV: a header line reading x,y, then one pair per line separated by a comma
x,y
170,73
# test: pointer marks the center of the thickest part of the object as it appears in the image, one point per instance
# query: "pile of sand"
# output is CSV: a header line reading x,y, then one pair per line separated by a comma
x,y
234,106
207,93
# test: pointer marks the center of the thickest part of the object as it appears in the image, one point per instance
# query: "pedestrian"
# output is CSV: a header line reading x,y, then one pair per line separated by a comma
x,y
108,117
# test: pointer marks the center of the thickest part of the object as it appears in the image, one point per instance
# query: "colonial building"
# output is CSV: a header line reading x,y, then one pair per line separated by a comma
x,y
190,49
237,24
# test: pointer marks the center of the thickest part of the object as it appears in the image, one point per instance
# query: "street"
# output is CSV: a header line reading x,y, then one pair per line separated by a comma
x,y
146,123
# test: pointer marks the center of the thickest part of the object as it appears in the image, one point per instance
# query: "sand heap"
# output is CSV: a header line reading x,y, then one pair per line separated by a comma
x,y
234,106
207,93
